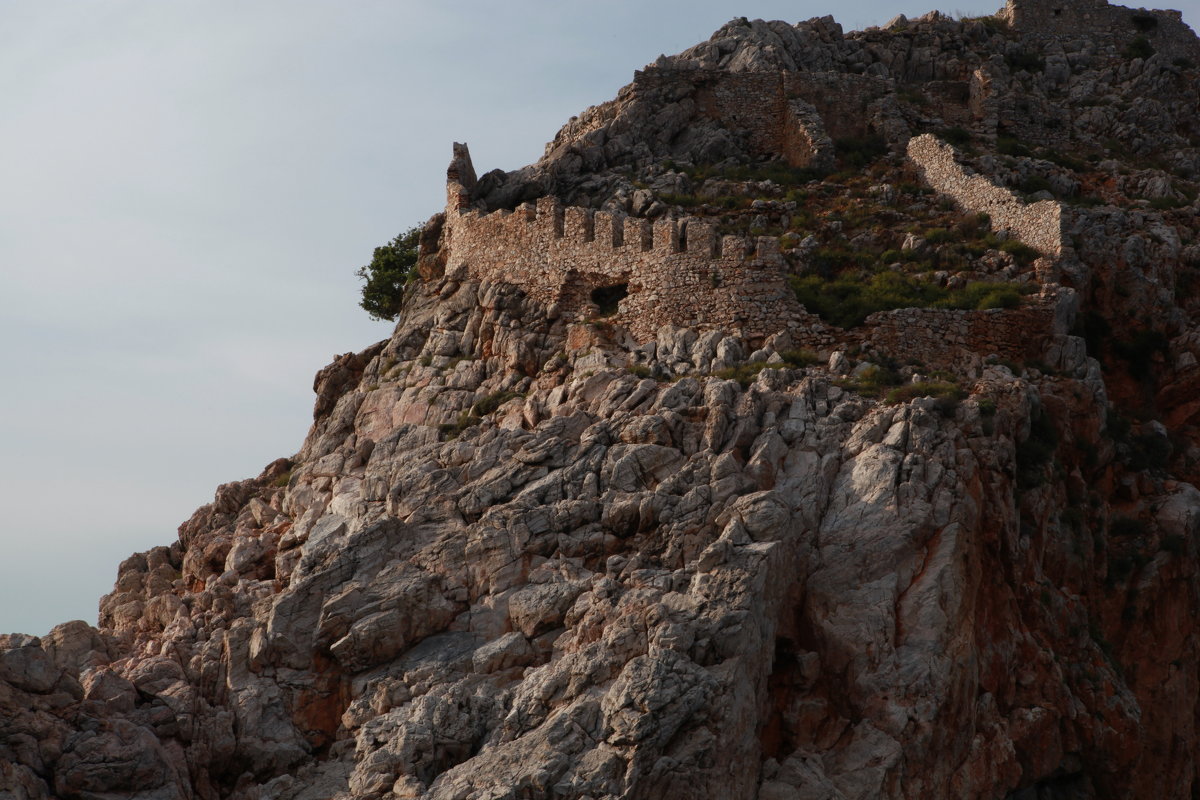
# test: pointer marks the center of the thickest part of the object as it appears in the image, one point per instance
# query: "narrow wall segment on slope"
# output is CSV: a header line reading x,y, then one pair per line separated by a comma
x,y
1039,225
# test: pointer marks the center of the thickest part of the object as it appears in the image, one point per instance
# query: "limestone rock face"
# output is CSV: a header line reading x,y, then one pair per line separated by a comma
x,y
522,557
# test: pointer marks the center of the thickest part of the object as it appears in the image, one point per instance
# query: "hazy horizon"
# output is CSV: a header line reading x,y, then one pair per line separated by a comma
x,y
191,187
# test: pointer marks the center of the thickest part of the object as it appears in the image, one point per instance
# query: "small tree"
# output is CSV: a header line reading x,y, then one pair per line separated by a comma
x,y
392,267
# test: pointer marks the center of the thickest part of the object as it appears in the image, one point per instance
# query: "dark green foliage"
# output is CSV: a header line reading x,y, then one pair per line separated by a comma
x,y
847,300
938,236
1034,183
1066,161
471,417
1166,203
639,370
946,393
776,171
745,374
681,200
959,137
451,430
1140,47
856,152
1011,146
392,268
492,402
874,381
1023,253
1183,62
799,358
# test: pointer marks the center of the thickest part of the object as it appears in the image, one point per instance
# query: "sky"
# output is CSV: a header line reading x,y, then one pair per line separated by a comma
x,y
188,188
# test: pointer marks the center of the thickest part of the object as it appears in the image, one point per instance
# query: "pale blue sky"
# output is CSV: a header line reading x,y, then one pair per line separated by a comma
x,y
188,188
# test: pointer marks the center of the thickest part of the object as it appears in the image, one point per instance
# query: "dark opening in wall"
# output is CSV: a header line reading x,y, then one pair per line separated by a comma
x,y
1058,12
607,297
1145,22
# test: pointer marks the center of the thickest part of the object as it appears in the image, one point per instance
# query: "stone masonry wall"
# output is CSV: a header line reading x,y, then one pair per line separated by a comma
x,y
947,339
1096,19
676,271
1039,225
789,114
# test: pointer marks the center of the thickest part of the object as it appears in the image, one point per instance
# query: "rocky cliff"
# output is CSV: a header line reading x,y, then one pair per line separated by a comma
x,y
917,547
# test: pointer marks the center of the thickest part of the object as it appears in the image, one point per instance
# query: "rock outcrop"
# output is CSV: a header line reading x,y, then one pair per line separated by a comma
x,y
530,553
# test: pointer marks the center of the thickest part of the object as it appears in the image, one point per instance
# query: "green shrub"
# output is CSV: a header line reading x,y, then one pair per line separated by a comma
x,y
639,370
744,374
681,200
938,236
847,300
959,137
946,391
493,401
1166,203
799,358
392,268
874,381
1023,253
856,152
1034,183
452,430
1011,146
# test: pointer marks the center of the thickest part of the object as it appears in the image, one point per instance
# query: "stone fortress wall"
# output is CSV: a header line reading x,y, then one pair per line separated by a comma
x,y
674,271
1039,225
1165,30
680,273
795,115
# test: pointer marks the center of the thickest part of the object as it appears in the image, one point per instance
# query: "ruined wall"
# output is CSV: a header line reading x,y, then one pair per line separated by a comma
x,y
795,115
1096,19
676,271
947,339
681,273
1039,225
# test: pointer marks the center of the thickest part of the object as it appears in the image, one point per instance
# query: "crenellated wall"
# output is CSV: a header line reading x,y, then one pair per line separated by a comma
x,y
682,273
676,271
1039,225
